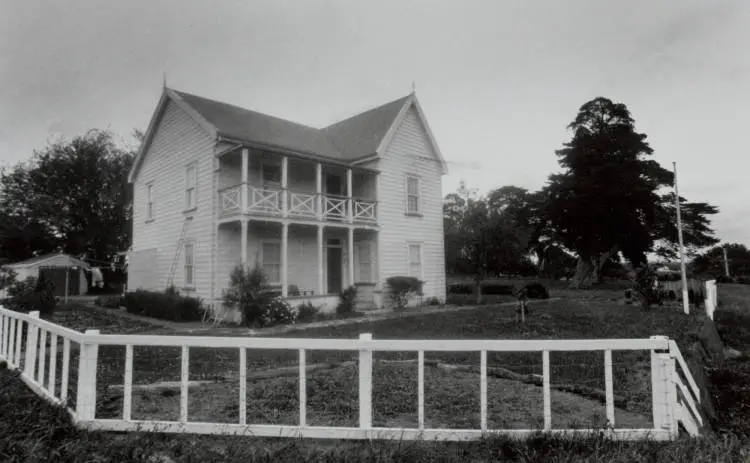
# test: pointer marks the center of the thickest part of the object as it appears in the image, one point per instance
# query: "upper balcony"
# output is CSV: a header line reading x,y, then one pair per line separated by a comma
x,y
266,184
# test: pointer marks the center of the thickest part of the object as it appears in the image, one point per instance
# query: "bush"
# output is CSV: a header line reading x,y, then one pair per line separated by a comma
x,y
258,304
497,289
347,301
433,301
403,288
33,294
536,290
723,279
307,312
7,277
293,290
166,305
460,288
742,280
110,302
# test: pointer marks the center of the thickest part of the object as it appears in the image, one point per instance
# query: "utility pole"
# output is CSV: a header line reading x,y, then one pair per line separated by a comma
x,y
685,294
726,261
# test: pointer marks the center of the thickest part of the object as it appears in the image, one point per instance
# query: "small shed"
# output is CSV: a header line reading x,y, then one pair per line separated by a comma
x,y
55,267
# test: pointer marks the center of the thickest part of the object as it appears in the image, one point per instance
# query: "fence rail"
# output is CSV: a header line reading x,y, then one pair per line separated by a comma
x,y
674,401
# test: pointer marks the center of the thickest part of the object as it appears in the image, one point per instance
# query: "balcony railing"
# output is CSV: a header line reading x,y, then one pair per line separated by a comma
x,y
269,201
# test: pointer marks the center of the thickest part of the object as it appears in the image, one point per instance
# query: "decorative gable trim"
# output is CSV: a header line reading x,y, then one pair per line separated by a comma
x,y
166,96
385,143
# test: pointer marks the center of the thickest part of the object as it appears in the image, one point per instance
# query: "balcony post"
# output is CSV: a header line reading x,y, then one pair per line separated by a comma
x,y
284,191
319,189
321,281
245,172
284,252
349,194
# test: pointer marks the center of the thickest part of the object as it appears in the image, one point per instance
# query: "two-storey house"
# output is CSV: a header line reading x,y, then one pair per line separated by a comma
x,y
353,203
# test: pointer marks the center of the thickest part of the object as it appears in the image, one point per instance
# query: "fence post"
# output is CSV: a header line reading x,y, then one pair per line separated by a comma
x,y
86,389
663,390
32,335
365,384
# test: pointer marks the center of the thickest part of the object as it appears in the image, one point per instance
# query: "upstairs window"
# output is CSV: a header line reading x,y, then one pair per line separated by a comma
x,y
412,195
191,182
149,201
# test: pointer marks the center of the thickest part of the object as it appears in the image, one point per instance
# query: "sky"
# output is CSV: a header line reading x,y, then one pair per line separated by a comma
x,y
498,80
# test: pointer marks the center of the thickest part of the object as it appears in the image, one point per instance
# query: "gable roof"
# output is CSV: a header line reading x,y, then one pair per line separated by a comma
x,y
44,258
361,136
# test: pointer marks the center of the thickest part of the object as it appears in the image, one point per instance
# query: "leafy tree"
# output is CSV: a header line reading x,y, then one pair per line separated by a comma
x,y
711,262
72,196
607,199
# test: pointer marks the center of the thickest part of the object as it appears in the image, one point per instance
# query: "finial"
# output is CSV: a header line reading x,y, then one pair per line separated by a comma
x,y
413,86
164,80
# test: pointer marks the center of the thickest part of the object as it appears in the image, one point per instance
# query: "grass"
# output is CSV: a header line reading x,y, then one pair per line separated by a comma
x,y
32,430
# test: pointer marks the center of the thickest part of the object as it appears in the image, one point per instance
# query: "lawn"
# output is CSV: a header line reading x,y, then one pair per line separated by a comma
x,y
591,314
451,396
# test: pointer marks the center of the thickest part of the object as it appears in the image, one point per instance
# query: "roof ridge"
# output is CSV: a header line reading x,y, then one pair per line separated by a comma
x,y
244,109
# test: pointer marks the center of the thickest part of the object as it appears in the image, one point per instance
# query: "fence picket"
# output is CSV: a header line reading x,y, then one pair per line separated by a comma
x,y
127,392
19,343
365,384
243,386
609,388
65,370
42,356
420,388
546,391
10,354
52,364
184,384
302,389
483,390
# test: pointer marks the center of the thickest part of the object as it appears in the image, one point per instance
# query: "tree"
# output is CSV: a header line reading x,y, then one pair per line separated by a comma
x,y
480,240
711,262
71,197
607,199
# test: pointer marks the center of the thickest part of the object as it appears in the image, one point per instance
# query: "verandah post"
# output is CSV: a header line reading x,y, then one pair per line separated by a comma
x,y
365,384
32,335
86,390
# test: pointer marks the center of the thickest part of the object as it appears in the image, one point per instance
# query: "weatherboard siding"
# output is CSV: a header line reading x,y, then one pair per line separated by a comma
x,y
410,153
178,140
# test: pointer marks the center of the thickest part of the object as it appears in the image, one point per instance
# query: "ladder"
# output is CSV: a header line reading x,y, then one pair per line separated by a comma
x,y
178,251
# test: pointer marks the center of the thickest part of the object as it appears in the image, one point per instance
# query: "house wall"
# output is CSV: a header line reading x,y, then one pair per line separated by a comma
x,y
410,153
178,140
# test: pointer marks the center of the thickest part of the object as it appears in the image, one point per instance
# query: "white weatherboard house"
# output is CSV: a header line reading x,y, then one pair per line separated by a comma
x,y
318,209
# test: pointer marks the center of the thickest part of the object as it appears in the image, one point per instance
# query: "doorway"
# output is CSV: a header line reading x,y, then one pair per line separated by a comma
x,y
334,267
334,185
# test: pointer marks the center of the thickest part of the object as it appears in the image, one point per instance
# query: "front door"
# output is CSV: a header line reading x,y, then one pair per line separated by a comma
x,y
334,270
334,185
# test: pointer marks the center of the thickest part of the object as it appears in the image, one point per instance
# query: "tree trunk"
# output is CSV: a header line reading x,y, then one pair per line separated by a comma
x,y
588,270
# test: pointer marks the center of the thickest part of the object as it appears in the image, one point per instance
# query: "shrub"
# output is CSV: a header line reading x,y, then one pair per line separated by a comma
x,y
250,293
403,288
293,290
743,280
497,289
33,294
307,312
7,277
433,301
347,301
536,290
643,286
723,279
460,288
110,302
164,305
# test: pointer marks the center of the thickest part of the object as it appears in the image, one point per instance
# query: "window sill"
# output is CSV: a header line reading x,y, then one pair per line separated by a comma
x,y
190,211
413,214
148,220
187,288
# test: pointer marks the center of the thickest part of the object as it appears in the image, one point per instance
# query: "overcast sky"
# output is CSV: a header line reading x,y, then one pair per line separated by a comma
x,y
498,80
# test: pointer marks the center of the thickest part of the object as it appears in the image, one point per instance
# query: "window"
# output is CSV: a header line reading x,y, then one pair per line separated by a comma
x,y
412,195
270,257
271,174
191,181
414,257
365,261
150,201
189,264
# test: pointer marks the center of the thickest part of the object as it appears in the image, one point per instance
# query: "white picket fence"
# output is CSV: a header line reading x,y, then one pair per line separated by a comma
x,y
712,298
675,395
